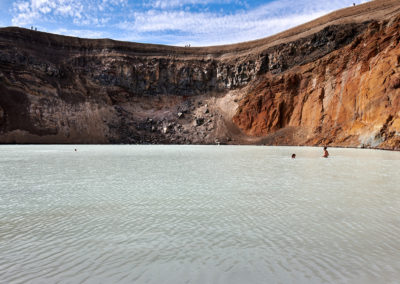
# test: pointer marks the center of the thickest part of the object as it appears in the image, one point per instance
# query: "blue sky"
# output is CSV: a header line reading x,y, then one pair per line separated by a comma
x,y
173,22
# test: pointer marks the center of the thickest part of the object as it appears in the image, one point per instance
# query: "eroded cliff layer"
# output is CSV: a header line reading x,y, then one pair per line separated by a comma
x,y
350,97
333,81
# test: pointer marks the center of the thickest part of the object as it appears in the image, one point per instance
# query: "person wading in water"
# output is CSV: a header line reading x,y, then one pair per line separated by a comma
x,y
326,154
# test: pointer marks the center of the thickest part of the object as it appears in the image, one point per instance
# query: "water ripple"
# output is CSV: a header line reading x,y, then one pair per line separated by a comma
x,y
165,214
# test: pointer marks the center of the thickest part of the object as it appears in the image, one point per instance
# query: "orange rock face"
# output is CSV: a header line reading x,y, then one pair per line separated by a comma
x,y
350,97
332,81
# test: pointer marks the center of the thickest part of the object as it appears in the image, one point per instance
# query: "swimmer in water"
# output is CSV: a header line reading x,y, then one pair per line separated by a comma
x,y
293,156
326,154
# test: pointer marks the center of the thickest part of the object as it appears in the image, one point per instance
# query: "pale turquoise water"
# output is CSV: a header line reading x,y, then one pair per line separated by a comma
x,y
198,214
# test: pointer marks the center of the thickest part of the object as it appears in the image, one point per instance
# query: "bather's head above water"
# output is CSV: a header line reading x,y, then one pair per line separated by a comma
x,y
326,154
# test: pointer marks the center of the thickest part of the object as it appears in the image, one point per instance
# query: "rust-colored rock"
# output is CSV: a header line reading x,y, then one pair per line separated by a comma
x,y
332,81
350,97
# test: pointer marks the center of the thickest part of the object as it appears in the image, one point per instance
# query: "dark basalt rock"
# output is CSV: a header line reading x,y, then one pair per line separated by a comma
x,y
74,90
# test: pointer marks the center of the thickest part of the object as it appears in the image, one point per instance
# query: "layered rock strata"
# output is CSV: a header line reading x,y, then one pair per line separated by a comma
x,y
350,97
333,81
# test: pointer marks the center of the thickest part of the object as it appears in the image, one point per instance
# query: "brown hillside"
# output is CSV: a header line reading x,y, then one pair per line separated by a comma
x,y
331,81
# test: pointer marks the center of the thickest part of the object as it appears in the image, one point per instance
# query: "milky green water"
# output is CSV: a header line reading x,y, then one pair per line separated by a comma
x,y
198,214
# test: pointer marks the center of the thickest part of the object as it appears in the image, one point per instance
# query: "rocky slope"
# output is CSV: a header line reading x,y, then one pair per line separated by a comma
x,y
350,97
333,81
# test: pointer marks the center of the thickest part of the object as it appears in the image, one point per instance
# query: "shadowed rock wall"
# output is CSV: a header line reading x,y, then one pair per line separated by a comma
x,y
337,86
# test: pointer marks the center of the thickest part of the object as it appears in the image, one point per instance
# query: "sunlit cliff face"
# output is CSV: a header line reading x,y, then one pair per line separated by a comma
x,y
350,97
338,85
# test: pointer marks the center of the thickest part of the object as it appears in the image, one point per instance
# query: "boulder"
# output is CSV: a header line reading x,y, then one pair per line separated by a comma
x,y
199,121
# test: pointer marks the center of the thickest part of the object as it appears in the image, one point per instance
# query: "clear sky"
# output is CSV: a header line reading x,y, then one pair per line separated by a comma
x,y
174,22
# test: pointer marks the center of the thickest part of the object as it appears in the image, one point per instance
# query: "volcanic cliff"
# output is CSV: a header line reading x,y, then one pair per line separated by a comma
x,y
333,81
